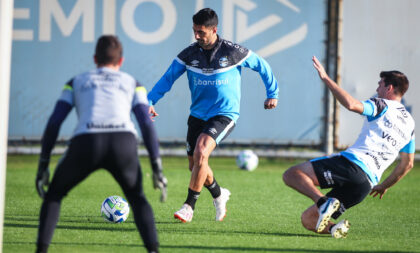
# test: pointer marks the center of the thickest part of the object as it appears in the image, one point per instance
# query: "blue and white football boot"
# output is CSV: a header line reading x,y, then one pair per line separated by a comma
x,y
325,211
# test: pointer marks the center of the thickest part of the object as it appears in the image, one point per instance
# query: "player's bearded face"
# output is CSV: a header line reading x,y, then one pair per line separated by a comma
x,y
205,36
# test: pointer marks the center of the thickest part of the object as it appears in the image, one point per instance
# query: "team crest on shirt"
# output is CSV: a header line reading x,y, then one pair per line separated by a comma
x,y
223,61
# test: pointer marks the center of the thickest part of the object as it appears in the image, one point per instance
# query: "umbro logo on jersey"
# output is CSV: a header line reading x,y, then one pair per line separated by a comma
x,y
195,63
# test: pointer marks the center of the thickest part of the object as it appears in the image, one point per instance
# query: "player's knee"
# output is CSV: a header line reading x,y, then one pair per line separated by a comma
x,y
288,175
306,221
200,155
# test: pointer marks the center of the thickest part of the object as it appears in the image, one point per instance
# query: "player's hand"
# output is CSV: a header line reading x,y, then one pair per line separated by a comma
x,y
42,177
378,190
270,103
318,66
159,180
152,113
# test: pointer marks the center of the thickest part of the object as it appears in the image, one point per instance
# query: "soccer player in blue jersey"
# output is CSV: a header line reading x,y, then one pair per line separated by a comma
x,y
105,137
213,67
388,130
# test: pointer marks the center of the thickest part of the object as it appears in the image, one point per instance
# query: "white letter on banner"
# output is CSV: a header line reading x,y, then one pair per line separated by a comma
x,y
108,16
229,12
130,28
21,34
51,8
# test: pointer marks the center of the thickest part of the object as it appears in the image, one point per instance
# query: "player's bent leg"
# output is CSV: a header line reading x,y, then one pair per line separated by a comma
x,y
142,211
123,164
205,145
303,179
48,218
190,162
64,179
144,219
309,218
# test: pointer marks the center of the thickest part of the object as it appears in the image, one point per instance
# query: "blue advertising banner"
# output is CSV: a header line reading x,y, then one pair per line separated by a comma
x,y
53,40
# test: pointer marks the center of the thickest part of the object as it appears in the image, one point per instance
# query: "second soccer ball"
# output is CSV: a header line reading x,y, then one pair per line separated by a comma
x,y
247,160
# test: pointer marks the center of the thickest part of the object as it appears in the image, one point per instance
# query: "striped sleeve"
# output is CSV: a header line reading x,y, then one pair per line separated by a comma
x,y
140,95
410,148
67,94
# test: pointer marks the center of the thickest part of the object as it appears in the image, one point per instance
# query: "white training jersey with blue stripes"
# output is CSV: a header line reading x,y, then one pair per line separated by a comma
x,y
387,130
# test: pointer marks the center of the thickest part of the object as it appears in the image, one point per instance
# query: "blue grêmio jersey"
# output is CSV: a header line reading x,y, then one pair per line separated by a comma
x,y
215,82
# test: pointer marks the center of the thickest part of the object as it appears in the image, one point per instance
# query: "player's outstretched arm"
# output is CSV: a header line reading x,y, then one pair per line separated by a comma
x,y
403,167
339,93
61,110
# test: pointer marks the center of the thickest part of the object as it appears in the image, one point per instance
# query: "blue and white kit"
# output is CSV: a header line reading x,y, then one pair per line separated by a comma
x,y
387,130
215,83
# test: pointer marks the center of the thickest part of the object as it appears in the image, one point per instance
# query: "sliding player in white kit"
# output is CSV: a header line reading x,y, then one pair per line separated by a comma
x,y
388,130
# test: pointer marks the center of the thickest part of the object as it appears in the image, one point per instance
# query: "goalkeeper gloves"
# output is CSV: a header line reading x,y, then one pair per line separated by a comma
x,y
159,180
42,177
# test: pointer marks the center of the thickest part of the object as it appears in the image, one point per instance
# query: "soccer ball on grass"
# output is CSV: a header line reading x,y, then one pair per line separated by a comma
x,y
247,160
115,209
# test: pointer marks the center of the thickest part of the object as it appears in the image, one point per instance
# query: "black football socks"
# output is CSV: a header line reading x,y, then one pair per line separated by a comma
x,y
192,198
321,201
214,189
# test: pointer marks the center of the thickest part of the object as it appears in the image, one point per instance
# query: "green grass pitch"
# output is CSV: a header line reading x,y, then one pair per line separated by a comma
x,y
263,214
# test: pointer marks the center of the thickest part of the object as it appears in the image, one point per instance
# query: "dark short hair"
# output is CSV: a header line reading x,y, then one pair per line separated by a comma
x,y
206,17
397,79
108,50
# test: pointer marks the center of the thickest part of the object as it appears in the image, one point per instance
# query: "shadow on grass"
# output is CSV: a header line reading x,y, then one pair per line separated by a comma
x,y
63,218
102,228
249,249
179,228
191,248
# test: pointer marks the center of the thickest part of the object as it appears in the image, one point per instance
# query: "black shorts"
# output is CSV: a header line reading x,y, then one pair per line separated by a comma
x,y
115,152
349,182
218,127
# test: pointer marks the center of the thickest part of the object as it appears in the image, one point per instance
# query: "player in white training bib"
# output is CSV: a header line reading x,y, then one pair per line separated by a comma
x,y
388,130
